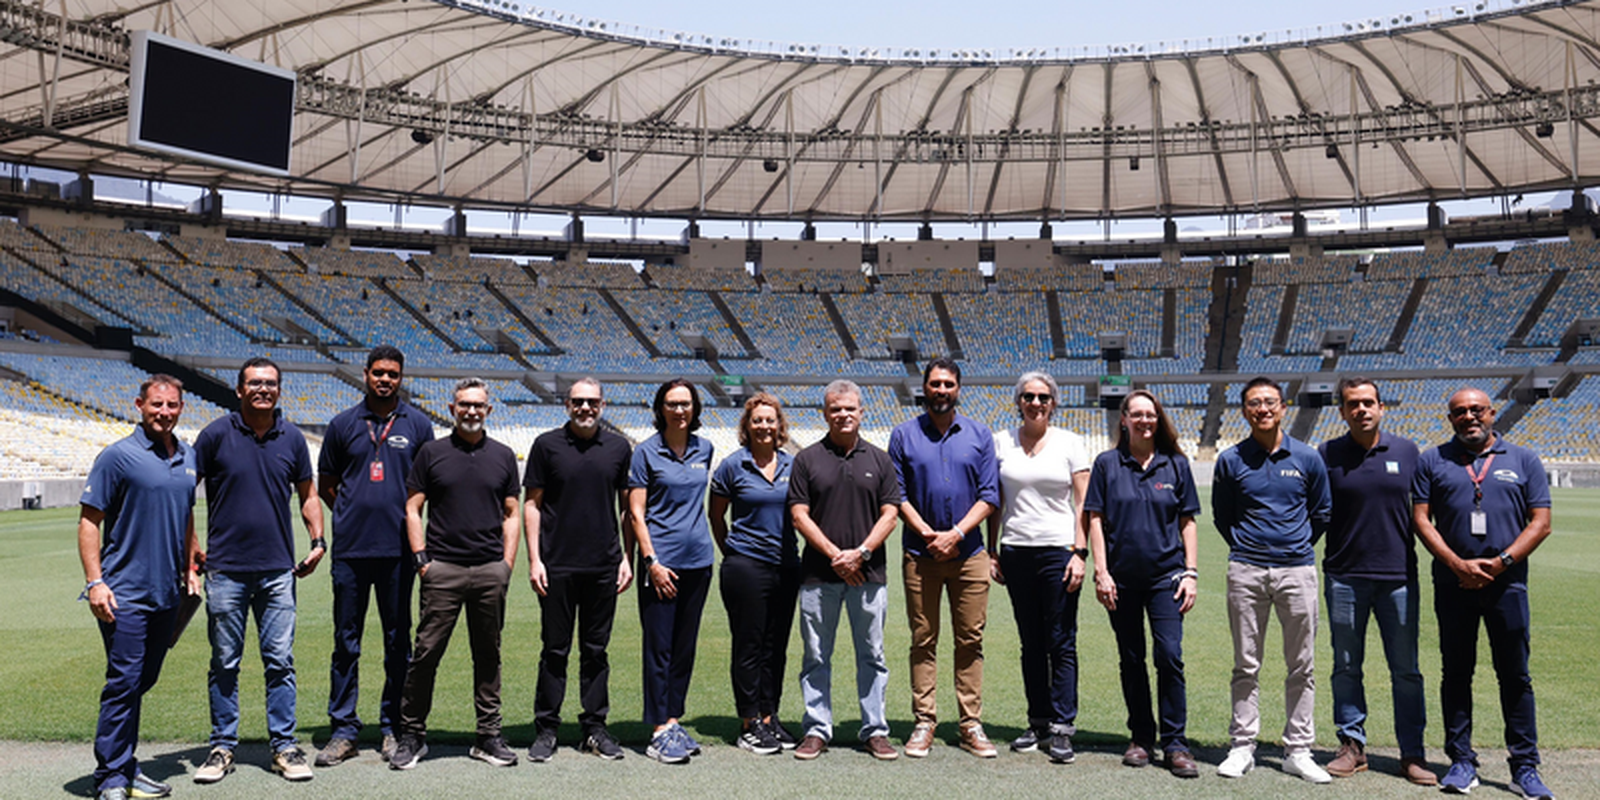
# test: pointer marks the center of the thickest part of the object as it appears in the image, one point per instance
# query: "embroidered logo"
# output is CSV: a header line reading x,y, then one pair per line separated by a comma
x,y
1289,473
1391,467
399,441
1507,476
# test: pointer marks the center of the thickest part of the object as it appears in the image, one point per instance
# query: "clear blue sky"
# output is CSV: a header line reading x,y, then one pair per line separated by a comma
x,y
996,24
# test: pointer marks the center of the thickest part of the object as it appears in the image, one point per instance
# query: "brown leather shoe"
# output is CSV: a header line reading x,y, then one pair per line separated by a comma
x,y
976,742
1352,758
810,747
1416,770
1181,763
1137,755
921,740
880,748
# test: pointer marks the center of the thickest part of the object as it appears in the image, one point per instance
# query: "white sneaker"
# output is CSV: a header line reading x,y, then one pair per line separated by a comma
x,y
1239,761
1303,765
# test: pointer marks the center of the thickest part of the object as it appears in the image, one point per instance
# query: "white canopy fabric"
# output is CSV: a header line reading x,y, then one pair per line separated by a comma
x,y
519,109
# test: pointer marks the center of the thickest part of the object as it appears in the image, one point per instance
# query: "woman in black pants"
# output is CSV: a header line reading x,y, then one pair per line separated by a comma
x,y
760,568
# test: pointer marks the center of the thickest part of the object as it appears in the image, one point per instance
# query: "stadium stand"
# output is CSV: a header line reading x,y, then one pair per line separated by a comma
x,y
1007,334
1069,278
360,263
663,314
231,254
923,280
470,269
832,281
590,274
670,276
105,243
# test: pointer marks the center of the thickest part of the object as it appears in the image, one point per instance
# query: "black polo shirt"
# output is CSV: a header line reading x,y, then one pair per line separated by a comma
x,y
845,492
1369,535
581,479
466,486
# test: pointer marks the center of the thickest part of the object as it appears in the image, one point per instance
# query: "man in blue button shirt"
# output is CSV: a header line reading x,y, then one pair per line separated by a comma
x,y
947,470
1270,499
1482,506
136,538
1371,568
366,456
250,460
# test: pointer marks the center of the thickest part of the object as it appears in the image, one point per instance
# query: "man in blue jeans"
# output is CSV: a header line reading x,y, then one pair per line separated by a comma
x,y
249,460
1371,565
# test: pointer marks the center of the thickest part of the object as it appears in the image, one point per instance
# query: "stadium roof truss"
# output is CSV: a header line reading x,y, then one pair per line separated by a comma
x,y
488,104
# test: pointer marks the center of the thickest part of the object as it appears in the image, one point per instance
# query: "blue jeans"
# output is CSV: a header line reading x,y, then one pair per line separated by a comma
x,y
355,581
867,606
136,645
1351,601
230,597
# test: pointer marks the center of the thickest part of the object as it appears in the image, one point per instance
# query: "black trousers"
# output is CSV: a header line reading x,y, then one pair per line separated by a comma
x,y
760,598
589,600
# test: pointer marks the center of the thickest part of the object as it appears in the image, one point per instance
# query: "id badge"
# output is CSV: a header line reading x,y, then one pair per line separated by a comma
x,y
1480,524
375,474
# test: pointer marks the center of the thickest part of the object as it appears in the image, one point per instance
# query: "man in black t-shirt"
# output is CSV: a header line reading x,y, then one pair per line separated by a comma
x,y
575,479
469,484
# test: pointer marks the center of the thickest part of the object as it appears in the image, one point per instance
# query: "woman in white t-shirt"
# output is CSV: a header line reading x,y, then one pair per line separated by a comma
x,y
1039,537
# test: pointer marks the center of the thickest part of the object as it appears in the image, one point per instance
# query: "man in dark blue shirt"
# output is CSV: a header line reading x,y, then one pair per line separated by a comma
x,y
1482,506
366,456
136,538
1371,567
1270,500
946,466
250,460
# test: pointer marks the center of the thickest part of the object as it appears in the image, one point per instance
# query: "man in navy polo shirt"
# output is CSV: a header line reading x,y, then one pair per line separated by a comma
x,y
468,482
1482,506
946,466
576,480
366,456
1371,567
249,461
1270,500
135,538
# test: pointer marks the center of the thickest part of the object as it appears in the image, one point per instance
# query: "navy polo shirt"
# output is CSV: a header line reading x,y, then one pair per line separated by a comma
x,y
248,485
147,499
369,517
1516,485
943,477
1270,507
675,500
466,486
761,528
846,491
1369,534
1142,511
580,479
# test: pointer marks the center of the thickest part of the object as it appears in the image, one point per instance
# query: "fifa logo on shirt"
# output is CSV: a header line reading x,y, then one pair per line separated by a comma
x,y
1289,473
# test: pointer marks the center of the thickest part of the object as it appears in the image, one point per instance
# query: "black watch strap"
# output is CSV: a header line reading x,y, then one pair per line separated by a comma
x,y
421,559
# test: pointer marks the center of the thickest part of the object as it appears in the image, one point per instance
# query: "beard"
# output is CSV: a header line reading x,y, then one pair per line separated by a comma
x,y
943,406
469,426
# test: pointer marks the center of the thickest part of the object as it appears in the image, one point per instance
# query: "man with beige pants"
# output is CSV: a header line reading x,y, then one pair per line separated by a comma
x,y
1271,503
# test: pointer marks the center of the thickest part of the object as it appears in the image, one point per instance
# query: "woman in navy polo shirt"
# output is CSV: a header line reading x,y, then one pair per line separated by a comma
x,y
666,500
1141,506
760,568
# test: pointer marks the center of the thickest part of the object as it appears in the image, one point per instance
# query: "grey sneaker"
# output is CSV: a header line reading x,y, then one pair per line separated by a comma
x,y
544,746
493,750
145,787
600,743
113,793
290,762
338,751
217,766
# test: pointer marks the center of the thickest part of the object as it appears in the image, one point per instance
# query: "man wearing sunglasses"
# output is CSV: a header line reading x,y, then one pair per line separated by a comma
x,y
1482,506
576,481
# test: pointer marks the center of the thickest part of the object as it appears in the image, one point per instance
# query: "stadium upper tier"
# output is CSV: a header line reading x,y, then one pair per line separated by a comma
x,y
504,104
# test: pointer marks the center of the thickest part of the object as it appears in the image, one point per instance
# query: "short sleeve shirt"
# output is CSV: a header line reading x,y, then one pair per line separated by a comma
x,y
1514,486
147,498
580,480
1039,509
845,491
249,481
761,527
944,475
1269,506
1369,534
1141,514
675,500
466,486
369,514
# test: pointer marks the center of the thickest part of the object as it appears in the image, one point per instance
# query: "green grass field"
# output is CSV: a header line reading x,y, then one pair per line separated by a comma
x,y
52,673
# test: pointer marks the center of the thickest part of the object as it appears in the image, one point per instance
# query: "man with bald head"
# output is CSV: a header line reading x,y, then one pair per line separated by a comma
x,y
1482,506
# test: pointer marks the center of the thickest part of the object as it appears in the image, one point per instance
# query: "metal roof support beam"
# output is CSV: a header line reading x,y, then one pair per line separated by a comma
x,y
1163,185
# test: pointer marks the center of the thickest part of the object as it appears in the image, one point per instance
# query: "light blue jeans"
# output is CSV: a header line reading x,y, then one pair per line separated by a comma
x,y
867,606
230,598
1351,601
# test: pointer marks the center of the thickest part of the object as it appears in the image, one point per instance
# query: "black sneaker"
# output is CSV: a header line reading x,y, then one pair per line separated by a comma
x,y
493,750
1061,749
600,743
757,739
408,750
544,746
785,739
1028,742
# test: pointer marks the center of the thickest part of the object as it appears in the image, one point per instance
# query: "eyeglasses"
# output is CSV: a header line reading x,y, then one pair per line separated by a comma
x,y
1141,416
1263,402
260,383
469,405
1469,411
584,402
1030,397
678,405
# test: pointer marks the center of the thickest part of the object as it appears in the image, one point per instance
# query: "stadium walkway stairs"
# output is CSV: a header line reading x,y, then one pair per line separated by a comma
x,y
1058,340
267,280
733,324
1230,287
1536,309
1280,335
1408,312
628,322
416,313
550,347
201,304
838,324
952,343
1169,323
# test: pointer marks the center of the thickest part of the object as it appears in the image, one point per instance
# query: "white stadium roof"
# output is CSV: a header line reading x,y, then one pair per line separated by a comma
x,y
529,108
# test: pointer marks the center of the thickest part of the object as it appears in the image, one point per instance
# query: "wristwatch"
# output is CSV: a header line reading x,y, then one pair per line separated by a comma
x,y
647,561
1506,559
865,551
421,559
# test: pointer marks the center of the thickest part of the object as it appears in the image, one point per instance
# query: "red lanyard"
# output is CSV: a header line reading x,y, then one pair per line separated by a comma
x,y
376,438
1477,480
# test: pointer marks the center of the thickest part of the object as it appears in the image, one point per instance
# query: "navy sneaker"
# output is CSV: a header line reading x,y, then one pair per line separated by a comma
x,y
1461,779
667,747
689,743
1525,778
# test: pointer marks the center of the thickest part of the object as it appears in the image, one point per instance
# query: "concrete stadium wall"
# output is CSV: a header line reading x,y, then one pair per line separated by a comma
x,y
53,493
